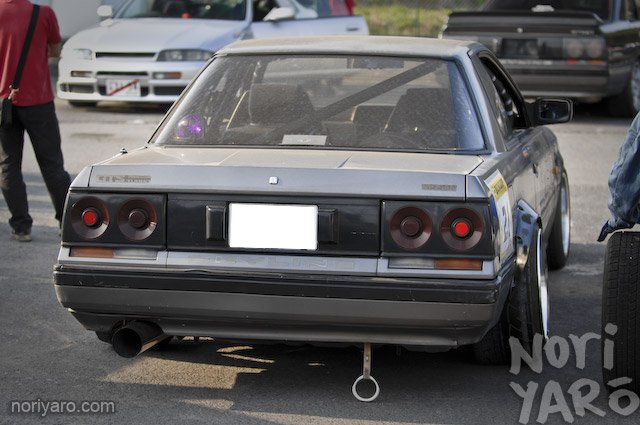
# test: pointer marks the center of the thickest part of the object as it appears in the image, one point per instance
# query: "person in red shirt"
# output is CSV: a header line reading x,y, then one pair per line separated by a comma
x,y
341,7
33,112
350,5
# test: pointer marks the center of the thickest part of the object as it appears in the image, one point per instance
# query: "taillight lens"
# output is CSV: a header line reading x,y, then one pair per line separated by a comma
x,y
436,229
137,219
89,218
410,227
584,48
461,228
573,48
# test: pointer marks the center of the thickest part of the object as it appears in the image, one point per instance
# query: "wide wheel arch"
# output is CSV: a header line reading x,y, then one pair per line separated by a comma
x,y
526,310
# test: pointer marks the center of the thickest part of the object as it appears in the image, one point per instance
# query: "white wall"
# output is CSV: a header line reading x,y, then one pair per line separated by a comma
x,y
73,15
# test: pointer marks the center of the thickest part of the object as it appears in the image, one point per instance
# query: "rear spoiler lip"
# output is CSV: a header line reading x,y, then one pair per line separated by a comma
x,y
524,14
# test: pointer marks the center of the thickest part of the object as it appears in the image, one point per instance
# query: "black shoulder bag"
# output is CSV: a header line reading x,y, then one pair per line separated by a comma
x,y
6,112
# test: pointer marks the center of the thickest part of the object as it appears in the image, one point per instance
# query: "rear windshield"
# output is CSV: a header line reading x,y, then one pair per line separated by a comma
x,y
599,7
355,102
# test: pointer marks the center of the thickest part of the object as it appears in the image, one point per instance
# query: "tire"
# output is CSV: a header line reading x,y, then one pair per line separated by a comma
x,y
620,307
526,312
559,241
493,348
82,104
627,103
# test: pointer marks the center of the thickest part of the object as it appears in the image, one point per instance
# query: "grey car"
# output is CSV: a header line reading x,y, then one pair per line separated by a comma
x,y
359,190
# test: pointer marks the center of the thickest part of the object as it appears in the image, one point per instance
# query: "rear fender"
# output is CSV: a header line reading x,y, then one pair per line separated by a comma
x,y
527,223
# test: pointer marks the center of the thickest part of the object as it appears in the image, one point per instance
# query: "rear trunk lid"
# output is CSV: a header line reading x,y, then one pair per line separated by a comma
x,y
206,187
557,22
291,172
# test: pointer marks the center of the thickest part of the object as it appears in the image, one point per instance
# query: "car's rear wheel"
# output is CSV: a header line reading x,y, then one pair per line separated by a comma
x,y
620,307
82,104
627,103
525,314
559,240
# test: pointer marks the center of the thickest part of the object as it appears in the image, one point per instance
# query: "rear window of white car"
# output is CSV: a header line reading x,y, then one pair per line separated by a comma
x,y
320,102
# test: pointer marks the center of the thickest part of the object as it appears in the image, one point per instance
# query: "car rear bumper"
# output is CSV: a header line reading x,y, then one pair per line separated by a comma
x,y
440,313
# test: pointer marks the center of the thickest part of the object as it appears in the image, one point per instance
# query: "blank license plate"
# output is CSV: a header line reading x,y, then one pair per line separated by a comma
x,y
270,226
123,88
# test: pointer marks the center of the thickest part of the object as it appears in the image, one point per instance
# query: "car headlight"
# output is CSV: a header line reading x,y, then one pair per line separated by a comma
x,y
180,55
85,54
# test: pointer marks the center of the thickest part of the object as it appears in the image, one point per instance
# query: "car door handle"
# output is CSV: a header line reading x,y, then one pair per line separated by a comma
x,y
352,29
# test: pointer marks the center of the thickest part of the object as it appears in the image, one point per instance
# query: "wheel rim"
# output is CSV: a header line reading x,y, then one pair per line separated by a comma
x,y
565,217
635,86
541,271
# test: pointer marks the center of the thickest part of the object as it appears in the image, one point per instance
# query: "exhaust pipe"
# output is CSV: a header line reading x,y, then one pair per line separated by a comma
x,y
136,338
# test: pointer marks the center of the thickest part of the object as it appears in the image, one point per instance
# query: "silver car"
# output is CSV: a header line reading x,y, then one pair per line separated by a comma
x,y
368,190
149,50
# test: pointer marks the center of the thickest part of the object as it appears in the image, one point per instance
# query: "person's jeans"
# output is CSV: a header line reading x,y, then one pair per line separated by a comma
x,y
41,123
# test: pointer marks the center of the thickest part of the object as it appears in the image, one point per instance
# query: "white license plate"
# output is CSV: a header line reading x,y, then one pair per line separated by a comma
x,y
123,88
270,226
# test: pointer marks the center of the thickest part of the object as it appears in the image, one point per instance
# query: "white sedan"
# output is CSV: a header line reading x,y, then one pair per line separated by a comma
x,y
149,50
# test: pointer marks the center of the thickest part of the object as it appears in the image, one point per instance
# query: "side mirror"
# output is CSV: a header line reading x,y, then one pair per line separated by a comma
x,y
105,11
280,14
551,111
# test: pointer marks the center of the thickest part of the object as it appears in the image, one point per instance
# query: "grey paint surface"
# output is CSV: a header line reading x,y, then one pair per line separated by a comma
x,y
298,172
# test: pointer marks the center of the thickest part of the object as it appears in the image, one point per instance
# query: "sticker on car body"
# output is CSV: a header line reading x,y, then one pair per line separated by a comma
x,y
500,192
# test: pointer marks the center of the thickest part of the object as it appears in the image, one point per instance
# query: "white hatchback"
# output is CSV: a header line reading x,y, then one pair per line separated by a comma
x,y
149,50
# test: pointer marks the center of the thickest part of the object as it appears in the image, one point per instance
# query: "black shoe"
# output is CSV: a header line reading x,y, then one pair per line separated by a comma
x,y
23,236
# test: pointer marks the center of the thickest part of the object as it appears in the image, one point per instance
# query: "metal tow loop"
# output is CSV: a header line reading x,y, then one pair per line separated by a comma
x,y
366,374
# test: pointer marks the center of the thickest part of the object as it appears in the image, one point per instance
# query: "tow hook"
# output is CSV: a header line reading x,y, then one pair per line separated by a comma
x,y
366,375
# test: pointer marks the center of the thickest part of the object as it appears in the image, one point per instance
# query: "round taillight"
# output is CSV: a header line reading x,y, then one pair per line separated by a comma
x,y
462,228
573,48
410,228
89,217
137,219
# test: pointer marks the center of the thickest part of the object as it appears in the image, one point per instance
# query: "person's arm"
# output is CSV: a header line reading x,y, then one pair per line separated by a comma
x,y
54,50
624,180
54,40
624,184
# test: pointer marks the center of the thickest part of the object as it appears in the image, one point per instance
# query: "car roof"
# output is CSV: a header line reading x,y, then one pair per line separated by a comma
x,y
353,45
